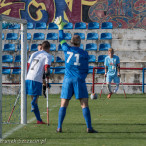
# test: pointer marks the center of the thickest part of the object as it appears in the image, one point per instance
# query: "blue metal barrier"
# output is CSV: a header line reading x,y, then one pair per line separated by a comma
x,y
143,80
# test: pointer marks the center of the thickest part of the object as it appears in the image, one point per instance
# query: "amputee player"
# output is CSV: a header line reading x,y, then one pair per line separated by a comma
x,y
39,62
112,71
76,70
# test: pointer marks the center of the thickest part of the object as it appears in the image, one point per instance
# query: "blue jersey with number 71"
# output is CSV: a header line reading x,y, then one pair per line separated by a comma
x,y
76,61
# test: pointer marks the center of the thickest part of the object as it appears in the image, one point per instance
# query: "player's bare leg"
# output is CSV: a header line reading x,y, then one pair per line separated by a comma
x,y
86,114
62,113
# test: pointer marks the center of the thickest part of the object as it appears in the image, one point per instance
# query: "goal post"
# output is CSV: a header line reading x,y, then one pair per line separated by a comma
x,y
23,23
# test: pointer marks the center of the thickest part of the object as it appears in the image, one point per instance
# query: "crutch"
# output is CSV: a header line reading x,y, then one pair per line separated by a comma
x,y
47,92
123,89
102,86
15,104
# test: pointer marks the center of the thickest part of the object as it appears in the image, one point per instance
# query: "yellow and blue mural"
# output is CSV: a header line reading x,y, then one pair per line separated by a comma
x,y
122,13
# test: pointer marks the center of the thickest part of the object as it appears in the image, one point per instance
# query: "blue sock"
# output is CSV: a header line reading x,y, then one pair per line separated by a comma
x,y
87,117
37,113
33,103
61,115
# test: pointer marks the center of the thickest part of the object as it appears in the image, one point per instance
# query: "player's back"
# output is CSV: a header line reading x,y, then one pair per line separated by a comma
x,y
76,62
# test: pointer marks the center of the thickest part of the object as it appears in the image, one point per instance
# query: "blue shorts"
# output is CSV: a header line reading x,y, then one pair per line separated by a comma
x,y
33,87
73,86
109,79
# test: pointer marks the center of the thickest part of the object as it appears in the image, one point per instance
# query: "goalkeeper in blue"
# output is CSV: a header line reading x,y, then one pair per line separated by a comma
x,y
112,71
76,70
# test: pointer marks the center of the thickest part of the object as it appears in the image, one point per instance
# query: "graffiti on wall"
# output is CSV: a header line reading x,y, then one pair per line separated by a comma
x,y
122,13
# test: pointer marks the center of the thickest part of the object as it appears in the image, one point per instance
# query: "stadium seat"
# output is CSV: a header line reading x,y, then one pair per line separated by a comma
x,y
104,47
82,46
93,25
52,26
53,47
14,26
28,36
34,47
67,36
90,69
12,36
3,36
59,60
106,36
16,71
18,58
82,35
51,70
19,47
52,58
101,58
80,25
107,25
7,58
41,25
91,47
92,58
30,25
100,71
6,71
52,36
60,70
68,26
38,36
92,36
9,47
59,48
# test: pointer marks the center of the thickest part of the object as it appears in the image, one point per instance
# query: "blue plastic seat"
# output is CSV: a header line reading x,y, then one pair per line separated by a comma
x,y
3,36
6,71
38,36
59,48
30,25
90,69
60,70
106,36
100,71
7,58
91,47
53,47
52,58
18,58
81,46
52,36
104,47
93,25
92,58
59,60
16,71
52,26
51,70
82,35
101,58
19,47
80,25
41,25
67,36
14,26
12,36
92,36
107,25
9,47
68,26
28,36
34,47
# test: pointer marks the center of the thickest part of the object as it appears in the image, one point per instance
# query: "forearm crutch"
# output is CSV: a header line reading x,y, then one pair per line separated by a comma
x,y
47,92
123,89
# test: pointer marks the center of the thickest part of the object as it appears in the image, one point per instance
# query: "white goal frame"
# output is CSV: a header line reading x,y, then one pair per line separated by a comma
x,y
23,23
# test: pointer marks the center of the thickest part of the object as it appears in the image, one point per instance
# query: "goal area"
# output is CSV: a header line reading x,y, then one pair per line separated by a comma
x,y
4,22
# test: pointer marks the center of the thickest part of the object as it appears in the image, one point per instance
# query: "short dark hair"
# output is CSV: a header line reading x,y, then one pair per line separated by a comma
x,y
45,45
76,40
39,44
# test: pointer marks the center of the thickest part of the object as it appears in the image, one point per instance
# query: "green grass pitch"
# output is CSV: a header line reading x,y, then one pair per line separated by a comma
x,y
119,121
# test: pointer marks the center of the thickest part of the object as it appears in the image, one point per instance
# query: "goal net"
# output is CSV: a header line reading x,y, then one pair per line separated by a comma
x,y
13,59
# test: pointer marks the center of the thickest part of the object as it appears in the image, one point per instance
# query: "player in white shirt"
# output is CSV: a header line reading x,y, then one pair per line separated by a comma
x,y
38,63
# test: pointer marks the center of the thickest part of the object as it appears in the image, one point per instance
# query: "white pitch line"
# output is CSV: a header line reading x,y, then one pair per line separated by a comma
x,y
18,127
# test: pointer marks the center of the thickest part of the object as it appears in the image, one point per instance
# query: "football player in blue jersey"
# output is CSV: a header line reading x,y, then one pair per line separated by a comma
x,y
112,71
76,70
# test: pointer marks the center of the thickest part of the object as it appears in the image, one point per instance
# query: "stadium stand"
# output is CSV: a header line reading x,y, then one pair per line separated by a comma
x,y
30,25
68,26
38,36
52,47
82,35
15,26
90,69
106,36
93,25
80,25
100,71
12,36
17,58
28,36
104,47
16,71
34,47
19,47
3,36
7,58
92,58
41,25
59,60
52,36
107,25
92,36
91,47
101,58
67,36
9,47
52,26
52,58
6,71
59,70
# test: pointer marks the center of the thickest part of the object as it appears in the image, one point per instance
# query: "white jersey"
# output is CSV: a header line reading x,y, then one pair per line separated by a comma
x,y
37,63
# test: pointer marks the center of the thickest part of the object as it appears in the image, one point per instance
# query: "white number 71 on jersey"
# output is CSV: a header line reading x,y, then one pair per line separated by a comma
x,y
70,56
